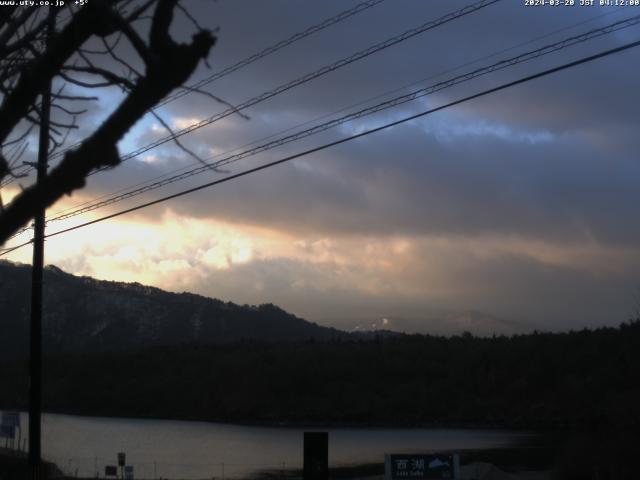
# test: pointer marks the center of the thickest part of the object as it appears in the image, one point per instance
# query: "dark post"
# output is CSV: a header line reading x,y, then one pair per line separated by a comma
x,y
122,461
316,455
35,359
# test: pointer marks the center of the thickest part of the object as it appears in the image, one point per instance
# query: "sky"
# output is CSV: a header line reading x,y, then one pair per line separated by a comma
x,y
504,214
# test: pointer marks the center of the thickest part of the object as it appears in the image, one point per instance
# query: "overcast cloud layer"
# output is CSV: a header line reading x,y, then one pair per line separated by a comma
x,y
512,212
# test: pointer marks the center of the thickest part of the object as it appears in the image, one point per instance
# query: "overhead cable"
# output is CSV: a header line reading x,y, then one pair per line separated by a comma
x,y
325,146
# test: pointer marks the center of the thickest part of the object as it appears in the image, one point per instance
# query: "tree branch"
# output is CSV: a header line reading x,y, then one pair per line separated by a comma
x,y
169,65
38,72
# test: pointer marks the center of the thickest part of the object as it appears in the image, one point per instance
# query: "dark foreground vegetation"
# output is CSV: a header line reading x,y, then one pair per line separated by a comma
x,y
576,457
586,380
13,466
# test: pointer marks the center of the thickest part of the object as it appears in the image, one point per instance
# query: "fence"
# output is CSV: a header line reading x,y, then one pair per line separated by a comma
x,y
156,470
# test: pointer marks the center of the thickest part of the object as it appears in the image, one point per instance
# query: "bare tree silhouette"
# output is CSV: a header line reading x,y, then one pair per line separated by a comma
x,y
70,58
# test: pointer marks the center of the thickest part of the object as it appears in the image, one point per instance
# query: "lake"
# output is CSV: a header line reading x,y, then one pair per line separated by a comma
x,y
197,450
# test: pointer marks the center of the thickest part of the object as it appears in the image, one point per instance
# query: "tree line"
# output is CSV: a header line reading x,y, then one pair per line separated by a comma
x,y
587,379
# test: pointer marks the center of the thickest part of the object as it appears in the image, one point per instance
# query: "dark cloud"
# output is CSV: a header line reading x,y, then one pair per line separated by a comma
x,y
430,177
426,178
552,161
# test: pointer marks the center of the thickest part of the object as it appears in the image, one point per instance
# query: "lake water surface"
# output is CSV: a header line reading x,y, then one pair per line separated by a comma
x,y
198,450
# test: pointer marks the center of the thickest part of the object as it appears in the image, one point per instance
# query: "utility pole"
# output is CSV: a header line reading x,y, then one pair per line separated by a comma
x,y
35,344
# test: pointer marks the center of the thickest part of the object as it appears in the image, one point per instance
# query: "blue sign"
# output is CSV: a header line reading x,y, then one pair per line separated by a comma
x,y
7,431
128,472
11,419
419,467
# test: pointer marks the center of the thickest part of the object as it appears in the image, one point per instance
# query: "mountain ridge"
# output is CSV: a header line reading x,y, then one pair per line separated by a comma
x,y
82,313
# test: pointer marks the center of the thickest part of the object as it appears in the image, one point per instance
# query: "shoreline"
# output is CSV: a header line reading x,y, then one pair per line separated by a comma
x,y
295,424
13,463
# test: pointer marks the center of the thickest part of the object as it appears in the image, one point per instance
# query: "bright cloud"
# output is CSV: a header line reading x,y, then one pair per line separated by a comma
x,y
521,204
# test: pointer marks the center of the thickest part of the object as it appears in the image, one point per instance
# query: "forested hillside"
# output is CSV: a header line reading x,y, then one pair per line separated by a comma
x,y
586,379
82,314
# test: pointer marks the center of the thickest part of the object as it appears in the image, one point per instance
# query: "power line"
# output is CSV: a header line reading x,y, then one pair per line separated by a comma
x,y
6,251
311,76
344,15
394,102
325,146
272,49
363,102
406,35
25,169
